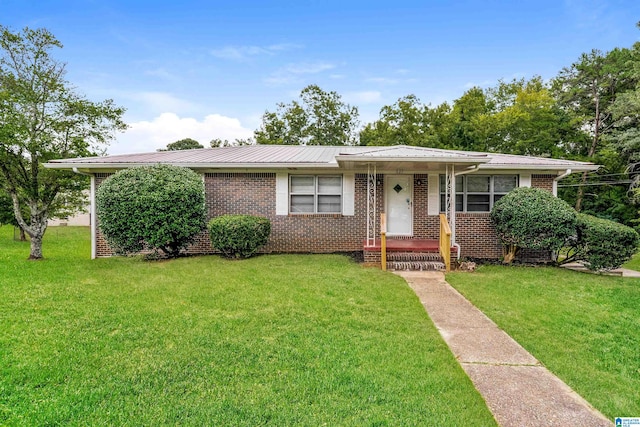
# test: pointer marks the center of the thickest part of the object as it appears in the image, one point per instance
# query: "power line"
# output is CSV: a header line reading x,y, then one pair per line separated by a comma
x,y
626,182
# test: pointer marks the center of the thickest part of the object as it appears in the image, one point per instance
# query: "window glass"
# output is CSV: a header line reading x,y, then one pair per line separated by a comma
x,y
329,185
302,204
302,184
504,183
315,194
329,204
478,184
459,205
478,203
459,187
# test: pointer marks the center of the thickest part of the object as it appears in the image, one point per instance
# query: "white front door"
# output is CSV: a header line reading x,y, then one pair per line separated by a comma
x,y
399,204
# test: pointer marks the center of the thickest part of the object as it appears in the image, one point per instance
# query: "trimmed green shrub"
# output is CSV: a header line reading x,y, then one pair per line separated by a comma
x,y
151,208
604,244
239,236
532,218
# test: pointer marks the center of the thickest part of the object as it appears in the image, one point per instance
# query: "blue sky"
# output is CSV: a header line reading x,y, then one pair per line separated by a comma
x,y
210,69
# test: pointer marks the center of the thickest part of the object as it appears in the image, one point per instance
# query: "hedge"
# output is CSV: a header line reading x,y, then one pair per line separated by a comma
x,y
239,236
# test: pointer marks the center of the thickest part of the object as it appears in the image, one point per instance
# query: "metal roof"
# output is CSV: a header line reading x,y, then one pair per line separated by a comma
x,y
288,156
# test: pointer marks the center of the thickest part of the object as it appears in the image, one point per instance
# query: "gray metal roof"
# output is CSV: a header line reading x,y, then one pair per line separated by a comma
x,y
287,156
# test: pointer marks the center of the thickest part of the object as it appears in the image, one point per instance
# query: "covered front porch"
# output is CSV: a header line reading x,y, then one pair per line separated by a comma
x,y
405,224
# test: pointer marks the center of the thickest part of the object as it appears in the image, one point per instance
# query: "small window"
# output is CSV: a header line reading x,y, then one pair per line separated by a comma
x,y
310,194
478,193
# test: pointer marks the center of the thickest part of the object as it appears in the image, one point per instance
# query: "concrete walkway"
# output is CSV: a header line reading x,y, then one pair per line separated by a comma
x,y
624,272
518,390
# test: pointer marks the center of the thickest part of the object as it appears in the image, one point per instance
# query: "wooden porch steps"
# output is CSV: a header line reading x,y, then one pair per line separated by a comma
x,y
411,254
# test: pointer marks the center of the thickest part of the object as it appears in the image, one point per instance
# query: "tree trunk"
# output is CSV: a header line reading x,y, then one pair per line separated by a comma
x,y
36,229
36,248
594,144
23,237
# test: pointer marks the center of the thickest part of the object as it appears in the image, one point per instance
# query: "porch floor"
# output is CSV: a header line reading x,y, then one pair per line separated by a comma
x,y
407,245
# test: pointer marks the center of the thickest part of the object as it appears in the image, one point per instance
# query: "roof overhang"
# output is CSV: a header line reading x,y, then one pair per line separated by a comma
x,y
427,163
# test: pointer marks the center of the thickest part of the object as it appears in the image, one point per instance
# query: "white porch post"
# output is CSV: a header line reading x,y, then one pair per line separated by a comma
x,y
92,216
451,206
371,204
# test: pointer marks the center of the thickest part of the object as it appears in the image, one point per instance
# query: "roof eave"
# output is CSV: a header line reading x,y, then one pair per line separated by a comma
x,y
85,166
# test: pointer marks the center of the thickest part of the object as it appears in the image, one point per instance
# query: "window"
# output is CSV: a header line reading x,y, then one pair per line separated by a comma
x,y
478,193
315,194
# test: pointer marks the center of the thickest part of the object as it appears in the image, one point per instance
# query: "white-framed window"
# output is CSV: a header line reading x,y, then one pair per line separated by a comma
x,y
478,193
315,194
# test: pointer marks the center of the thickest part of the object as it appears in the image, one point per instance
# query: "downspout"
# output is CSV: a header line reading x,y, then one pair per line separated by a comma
x,y
464,172
92,209
558,178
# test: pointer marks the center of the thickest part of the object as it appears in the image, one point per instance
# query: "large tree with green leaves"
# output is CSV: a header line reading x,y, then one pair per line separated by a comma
x,y
588,90
408,122
42,117
317,118
183,144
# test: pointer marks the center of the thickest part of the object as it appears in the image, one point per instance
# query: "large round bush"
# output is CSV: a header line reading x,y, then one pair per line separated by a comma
x,y
152,207
532,218
604,244
239,236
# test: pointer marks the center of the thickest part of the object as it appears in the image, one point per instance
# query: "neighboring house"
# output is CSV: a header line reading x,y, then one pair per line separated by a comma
x,y
329,199
80,218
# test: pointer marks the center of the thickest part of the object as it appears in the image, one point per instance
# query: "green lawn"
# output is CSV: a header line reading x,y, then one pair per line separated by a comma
x,y
274,340
584,327
633,263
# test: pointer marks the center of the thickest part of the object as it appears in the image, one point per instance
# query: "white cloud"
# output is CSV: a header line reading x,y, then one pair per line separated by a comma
x,y
243,53
146,136
484,83
291,73
364,97
158,102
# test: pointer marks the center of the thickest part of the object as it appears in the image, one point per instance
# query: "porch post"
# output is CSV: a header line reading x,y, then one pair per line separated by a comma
x,y
371,204
451,192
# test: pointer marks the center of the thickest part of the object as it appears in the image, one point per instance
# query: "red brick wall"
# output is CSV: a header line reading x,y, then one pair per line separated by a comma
x,y
254,193
543,181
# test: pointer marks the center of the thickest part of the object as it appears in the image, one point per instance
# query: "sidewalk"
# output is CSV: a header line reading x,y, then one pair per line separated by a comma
x,y
518,390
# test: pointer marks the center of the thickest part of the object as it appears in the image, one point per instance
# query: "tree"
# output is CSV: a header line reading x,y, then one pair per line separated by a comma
x,y
587,90
43,118
318,118
7,216
183,144
218,142
532,218
152,207
408,122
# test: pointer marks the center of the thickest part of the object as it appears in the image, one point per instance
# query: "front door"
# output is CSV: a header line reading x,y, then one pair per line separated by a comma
x,y
399,204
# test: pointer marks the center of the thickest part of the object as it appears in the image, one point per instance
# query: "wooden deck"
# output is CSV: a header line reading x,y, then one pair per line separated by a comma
x,y
407,245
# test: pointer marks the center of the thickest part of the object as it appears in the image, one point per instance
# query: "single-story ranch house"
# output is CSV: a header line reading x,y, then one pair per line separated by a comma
x,y
329,199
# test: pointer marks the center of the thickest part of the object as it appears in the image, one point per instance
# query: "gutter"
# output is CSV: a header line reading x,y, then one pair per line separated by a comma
x,y
466,171
558,178
76,170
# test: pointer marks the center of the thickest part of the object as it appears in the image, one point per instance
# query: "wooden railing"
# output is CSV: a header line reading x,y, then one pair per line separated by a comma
x,y
383,241
445,241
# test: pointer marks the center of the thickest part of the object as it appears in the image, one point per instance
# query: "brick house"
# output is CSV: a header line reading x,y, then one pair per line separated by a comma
x,y
329,199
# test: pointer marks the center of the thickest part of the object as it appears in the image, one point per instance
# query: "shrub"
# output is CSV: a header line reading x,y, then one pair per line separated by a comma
x,y
532,218
604,244
152,207
239,236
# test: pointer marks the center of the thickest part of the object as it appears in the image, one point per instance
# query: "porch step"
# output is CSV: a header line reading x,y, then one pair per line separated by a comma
x,y
416,265
415,261
414,256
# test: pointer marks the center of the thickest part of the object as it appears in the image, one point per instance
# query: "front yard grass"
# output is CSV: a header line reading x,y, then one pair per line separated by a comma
x,y
584,327
633,263
274,340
